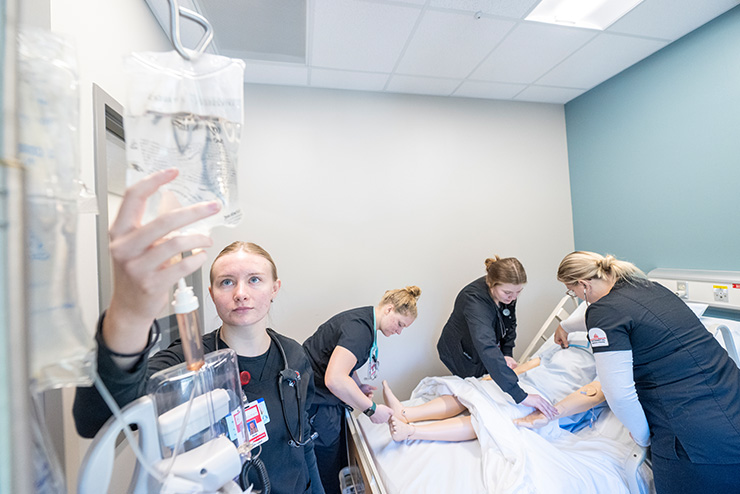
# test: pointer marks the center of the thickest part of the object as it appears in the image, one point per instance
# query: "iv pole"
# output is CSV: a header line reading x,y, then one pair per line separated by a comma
x,y
16,458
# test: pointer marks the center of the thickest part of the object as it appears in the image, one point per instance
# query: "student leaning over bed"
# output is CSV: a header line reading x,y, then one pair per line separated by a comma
x,y
336,350
479,336
664,375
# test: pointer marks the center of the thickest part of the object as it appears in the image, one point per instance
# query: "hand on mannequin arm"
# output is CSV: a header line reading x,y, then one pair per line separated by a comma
x,y
510,362
541,404
144,270
344,387
618,384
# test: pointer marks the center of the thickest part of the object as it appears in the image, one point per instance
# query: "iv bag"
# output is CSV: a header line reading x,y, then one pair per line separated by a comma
x,y
62,351
186,114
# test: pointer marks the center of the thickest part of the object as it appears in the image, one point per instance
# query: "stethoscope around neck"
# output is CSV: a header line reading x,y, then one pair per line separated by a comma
x,y
291,377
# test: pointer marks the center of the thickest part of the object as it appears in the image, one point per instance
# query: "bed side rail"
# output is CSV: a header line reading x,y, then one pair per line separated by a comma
x,y
361,458
562,310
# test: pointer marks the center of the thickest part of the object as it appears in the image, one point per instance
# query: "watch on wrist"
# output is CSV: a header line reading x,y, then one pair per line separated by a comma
x,y
370,411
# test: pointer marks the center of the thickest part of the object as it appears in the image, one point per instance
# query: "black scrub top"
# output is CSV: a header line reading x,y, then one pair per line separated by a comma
x,y
286,466
352,329
478,335
687,385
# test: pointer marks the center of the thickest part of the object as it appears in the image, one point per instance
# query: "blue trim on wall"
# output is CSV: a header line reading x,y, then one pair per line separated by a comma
x,y
654,155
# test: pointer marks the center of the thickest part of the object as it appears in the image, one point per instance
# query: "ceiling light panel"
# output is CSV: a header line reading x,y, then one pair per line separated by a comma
x,y
589,14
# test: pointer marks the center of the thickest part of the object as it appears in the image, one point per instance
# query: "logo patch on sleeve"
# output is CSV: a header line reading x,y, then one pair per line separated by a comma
x,y
598,337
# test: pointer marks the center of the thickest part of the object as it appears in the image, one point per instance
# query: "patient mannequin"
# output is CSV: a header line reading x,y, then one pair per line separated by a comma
x,y
451,424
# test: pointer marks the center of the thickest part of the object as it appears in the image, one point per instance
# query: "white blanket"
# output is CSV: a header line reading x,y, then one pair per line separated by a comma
x,y
507,458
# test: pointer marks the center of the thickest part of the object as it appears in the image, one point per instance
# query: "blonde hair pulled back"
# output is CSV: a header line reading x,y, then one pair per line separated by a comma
x,y
584,265
403,300
506,270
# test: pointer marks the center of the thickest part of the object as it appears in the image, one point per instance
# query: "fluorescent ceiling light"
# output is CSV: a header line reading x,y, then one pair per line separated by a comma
x,y
590,14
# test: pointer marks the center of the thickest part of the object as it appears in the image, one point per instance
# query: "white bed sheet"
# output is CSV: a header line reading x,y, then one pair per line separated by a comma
x,y
507,458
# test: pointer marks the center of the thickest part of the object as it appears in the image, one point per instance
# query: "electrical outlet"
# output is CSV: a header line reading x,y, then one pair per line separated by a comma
x,y
682,289
721,293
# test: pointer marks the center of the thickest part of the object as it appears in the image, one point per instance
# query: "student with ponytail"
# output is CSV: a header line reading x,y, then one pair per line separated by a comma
x,y
336,350
663,374
479,336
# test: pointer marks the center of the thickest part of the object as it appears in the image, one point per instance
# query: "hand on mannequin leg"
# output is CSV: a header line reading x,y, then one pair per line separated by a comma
x,y
578,401
441,407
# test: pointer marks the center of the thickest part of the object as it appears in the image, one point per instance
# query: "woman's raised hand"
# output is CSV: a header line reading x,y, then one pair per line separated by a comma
x,y
147,261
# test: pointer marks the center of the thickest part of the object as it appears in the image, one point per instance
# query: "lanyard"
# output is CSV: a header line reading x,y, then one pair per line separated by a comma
x,y
374,364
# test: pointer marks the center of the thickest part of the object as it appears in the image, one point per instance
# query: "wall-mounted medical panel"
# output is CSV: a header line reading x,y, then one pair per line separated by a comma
x,y
719,289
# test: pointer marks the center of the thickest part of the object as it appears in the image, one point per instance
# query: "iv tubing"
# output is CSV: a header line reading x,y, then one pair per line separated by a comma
x,y
186,310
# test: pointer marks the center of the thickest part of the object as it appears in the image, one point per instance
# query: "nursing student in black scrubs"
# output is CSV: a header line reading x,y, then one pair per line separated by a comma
x,y
244,283
479,336
663,374
336,350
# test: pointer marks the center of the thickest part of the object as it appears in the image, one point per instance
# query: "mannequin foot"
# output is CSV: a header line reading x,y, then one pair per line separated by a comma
x,y
400,431
394,403
534,420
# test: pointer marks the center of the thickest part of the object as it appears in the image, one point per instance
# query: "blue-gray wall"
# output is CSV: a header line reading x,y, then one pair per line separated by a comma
x,y
654,156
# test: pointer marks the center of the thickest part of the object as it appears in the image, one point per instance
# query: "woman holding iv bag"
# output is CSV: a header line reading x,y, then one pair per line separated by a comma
x,y
146,265
337,349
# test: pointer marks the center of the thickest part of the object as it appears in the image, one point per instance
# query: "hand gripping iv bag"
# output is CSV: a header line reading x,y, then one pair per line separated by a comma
x,y
186,114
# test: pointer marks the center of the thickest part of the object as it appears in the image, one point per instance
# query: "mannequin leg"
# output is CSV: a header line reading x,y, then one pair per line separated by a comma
x,y
455,429
441,407
578,401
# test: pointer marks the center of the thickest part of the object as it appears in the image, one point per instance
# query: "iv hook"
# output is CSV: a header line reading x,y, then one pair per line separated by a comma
x,y
175,12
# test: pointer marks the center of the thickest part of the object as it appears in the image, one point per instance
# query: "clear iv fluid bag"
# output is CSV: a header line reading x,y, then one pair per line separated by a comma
x,y
186,114
61,350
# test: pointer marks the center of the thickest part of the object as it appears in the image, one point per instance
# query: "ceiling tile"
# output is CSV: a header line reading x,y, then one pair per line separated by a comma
x,y
363,36
276,73
543,94
670,19
489,90
344,79
422,85
259,29
503,8
605,56
451,44
532,49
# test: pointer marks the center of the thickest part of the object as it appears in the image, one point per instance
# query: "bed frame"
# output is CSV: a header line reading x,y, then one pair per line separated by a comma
x,y
364,474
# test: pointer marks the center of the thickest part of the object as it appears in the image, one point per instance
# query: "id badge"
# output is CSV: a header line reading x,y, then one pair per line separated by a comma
x,y
255,422
372,369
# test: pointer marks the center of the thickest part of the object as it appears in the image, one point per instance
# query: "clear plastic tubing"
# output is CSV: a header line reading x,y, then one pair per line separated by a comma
x,y
186,310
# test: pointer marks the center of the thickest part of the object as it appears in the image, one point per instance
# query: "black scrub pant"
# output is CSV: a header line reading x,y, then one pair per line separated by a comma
x,y
331,445
680,476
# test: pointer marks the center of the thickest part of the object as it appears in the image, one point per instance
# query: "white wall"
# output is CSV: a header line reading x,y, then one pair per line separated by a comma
x,y
355,193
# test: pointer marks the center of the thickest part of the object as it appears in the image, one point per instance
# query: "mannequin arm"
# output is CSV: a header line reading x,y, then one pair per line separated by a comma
x,y
578,401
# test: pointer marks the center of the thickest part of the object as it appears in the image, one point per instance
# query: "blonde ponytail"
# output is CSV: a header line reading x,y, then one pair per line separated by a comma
x,y
584,265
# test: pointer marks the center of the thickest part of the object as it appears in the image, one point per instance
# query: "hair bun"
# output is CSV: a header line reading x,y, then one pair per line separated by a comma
x,y
606,262
491,260
414,291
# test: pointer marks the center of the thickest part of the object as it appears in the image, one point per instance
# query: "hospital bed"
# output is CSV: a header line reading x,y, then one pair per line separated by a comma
x,y
379,466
